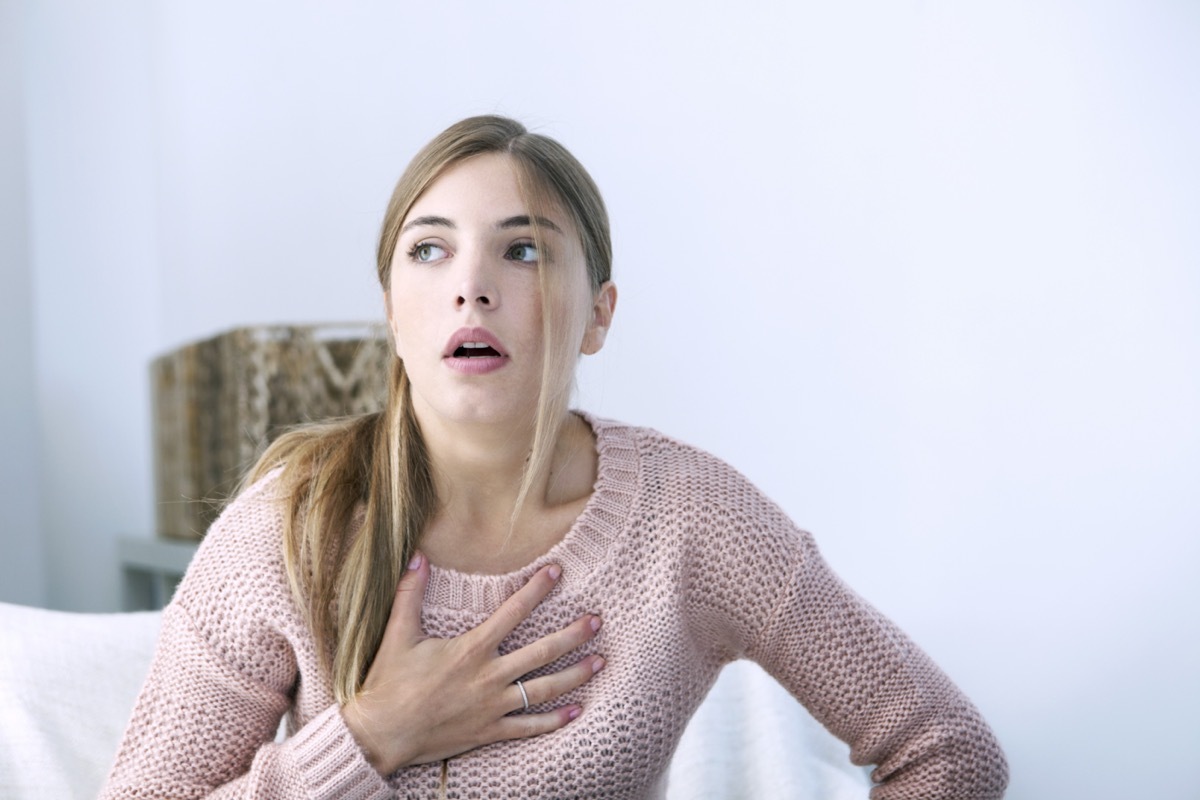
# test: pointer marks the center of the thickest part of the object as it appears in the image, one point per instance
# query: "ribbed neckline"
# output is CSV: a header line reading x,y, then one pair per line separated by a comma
x,y
581,549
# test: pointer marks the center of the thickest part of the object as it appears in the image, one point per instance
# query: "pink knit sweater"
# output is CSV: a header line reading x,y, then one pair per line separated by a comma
x,y
689,566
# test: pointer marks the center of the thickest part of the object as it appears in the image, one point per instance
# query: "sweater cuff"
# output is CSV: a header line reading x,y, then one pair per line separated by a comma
x,y
332,763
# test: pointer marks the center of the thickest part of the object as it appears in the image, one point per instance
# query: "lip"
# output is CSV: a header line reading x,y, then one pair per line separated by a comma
x,y
477,365
463,335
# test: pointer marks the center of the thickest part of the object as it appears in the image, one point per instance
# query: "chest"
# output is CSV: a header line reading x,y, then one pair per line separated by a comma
x,y
499,545
634,711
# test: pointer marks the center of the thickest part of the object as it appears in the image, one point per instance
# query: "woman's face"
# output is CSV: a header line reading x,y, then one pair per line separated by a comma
x,y
464,300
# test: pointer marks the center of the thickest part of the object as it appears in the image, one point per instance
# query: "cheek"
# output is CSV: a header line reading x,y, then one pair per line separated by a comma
x,y
393,313
402,322
521,303
404,315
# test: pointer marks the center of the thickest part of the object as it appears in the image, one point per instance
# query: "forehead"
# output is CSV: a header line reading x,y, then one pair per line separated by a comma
x,y
482,187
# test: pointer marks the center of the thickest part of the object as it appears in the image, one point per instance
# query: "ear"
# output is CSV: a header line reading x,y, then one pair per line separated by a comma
x,y
603,306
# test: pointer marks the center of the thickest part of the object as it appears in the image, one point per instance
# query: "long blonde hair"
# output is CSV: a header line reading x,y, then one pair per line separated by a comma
x,y
360,490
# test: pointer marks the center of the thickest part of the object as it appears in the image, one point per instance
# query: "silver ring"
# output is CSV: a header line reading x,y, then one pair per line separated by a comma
x,y
524,697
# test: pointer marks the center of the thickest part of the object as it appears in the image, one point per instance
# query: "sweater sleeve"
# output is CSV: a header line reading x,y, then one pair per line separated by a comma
x,y
202,729
872,687
768,595
224,672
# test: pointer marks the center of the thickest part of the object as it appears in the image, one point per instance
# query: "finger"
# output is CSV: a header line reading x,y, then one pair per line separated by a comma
x,y
513,611
550,647
522,726
550,687
405,618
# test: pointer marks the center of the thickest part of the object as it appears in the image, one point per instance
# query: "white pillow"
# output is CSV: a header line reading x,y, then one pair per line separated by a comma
x,y
751,739
67,686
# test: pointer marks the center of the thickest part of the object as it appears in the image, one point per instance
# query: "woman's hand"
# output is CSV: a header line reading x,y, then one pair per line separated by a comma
x,y
427,699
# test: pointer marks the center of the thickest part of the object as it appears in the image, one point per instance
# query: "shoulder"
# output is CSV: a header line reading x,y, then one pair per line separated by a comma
x,y
714,513
733,551
235,593
654,451
247,535
673,474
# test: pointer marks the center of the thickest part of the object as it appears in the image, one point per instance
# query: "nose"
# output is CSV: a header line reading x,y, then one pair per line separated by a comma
x,y
477,286
482,298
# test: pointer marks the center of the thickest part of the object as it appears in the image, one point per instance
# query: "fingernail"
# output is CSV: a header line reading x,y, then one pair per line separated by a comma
x,y
555,571
574,712
415,563
595,623
597,665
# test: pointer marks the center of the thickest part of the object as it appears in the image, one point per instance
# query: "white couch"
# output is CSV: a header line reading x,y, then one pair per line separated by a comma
x,y
68,682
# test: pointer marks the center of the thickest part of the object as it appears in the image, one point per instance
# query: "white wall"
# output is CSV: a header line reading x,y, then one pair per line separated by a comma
x,y
93,226
22,570
928,273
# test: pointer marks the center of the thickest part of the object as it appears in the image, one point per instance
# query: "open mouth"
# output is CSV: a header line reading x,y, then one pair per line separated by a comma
x,y
475,350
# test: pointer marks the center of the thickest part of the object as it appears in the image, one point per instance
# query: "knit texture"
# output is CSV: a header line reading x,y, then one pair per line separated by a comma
x,y
690,567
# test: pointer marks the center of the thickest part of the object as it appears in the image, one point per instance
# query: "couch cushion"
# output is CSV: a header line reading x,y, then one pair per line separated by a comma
x,y
67,686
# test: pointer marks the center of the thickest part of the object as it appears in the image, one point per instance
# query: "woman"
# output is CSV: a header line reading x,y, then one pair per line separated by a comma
x,y
481,593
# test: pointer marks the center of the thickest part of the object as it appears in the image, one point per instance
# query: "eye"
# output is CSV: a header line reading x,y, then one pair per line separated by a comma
x,y
425,252
524,252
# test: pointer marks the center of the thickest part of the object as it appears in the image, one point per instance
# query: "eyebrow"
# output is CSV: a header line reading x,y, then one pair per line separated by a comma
x,y
524,221
439,221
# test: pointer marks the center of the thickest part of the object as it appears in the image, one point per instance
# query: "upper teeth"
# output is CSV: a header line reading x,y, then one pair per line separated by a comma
x,y
474,344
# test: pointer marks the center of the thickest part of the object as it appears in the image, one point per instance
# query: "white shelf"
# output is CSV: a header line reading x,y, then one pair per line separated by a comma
x,y
151,569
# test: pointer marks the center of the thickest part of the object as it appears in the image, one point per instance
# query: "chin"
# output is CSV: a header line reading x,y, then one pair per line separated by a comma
x,y
489,413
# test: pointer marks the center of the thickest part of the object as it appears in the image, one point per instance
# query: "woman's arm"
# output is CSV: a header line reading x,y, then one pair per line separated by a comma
x,y
871,686
204,728
761,590
231,654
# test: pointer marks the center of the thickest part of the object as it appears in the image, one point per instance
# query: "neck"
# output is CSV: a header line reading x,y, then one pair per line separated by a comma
x,y
478,468
477,471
